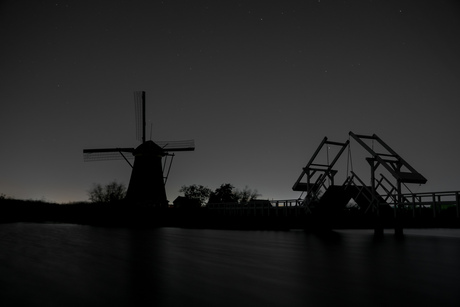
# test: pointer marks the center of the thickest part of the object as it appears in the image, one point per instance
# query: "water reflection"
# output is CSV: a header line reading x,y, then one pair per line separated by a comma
x,y
78,265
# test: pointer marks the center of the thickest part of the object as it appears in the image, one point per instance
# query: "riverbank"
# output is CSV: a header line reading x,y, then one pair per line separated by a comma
x,y
123,215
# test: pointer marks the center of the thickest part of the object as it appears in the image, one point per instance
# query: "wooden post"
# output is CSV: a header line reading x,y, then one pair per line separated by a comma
x,y
378,231
143,117
457,203
378,227
399,230
398,217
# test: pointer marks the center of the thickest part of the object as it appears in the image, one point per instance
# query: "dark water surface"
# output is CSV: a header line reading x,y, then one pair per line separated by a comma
x,y
72,265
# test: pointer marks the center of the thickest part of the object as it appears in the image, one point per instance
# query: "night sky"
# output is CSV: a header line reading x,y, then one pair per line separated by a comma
x,y
257,84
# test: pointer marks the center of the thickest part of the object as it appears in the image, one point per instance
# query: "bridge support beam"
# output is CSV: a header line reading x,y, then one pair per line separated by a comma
x,y
457,203
378,227
399,230
378,232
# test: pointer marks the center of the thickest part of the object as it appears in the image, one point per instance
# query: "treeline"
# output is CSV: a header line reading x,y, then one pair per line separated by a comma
x,y
107,203
200,196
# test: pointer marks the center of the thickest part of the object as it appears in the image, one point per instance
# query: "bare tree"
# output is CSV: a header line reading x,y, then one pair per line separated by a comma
x,y
111,192
246,195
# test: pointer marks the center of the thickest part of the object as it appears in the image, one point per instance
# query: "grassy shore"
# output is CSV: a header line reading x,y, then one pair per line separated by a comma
x,y
125,215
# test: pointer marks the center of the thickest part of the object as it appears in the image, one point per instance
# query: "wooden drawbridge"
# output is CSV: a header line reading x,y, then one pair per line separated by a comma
x,y
383,196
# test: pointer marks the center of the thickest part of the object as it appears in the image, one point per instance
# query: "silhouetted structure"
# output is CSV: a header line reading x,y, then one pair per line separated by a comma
x,y
318,175
151,168
379,198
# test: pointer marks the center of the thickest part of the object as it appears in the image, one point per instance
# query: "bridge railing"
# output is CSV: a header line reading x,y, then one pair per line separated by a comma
x,y
416,204
436,201
285,207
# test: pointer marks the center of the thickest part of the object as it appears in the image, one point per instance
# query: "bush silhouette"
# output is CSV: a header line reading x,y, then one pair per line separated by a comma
x,y
110,193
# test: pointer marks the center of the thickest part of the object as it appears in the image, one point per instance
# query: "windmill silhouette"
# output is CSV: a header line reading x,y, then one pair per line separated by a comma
x,y
152,161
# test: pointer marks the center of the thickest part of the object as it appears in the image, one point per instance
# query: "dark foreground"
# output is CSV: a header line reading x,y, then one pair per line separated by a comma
x,y
44,264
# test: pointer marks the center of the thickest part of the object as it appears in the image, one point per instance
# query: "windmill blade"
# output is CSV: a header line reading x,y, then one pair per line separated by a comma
x,y
139,108
186,145
104,154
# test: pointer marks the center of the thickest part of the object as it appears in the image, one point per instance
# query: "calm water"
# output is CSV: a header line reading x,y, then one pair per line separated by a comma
x,y
71,265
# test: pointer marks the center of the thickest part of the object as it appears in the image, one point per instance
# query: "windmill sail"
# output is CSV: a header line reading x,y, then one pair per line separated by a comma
x,y
139,112
186,145
105,154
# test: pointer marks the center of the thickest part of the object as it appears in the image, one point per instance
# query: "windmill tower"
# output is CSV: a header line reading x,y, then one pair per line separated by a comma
x,y
152,161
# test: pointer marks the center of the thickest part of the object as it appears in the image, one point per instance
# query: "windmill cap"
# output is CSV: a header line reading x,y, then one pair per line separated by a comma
x,y
149,148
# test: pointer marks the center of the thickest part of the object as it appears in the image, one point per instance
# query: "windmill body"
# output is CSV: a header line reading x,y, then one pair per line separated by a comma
x,y
149,174
146,185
